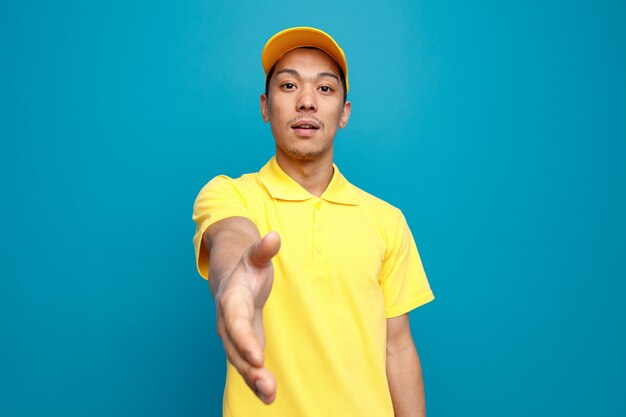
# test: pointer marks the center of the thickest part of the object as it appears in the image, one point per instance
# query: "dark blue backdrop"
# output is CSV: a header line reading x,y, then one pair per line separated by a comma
x,y
498,127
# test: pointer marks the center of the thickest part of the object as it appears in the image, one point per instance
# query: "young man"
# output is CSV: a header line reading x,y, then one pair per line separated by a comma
x,y
312,277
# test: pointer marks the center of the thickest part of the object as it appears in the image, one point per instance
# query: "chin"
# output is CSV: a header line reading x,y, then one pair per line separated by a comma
x,y
305,154
309,156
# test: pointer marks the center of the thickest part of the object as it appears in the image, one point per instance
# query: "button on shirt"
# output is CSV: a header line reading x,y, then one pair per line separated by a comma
x,y
347,263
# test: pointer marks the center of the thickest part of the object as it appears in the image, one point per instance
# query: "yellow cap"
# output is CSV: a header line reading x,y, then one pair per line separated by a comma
x,y
292,38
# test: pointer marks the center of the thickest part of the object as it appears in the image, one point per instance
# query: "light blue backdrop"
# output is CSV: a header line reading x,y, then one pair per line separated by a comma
x,y
498,127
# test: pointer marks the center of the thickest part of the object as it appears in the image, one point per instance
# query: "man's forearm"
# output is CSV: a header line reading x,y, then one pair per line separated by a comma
x,y
404,370
404,373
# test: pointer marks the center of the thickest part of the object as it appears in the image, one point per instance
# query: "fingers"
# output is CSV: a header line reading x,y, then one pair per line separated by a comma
x,y
237,317
265,385
261,253
258,378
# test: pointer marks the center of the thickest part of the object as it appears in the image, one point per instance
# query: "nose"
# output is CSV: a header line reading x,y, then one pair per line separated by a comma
x,y
306,101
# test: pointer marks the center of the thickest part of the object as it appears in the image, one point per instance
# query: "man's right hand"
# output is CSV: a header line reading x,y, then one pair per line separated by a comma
x,y
240,295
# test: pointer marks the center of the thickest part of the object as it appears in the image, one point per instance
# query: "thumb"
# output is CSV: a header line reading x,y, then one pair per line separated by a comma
x,y
262,252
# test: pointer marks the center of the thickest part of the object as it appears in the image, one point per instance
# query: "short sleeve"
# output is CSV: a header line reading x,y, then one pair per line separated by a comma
x,y
403,280
218,200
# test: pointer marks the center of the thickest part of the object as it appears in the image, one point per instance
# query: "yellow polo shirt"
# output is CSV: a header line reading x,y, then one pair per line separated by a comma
x,y
347,262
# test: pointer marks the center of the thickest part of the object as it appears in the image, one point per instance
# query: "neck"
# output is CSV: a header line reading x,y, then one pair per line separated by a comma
x,y
314,176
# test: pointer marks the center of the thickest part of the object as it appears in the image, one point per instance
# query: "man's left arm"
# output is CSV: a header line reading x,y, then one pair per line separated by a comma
x,y
404,371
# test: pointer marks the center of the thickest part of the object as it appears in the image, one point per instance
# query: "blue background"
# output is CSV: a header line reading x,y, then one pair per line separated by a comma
x,y
498,127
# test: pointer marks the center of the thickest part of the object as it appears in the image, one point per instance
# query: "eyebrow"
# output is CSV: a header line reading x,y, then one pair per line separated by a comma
x,y
327,74
297,74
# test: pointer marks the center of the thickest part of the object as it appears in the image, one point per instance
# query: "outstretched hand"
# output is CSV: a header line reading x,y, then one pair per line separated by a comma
x,y
239,302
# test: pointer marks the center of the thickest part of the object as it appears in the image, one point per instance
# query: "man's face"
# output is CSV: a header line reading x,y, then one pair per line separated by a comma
x,y
305,105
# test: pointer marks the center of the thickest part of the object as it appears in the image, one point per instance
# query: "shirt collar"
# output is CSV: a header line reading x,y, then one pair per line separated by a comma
x,y
281,186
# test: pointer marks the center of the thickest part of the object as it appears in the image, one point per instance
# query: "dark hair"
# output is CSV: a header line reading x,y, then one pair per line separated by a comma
x,y
342,77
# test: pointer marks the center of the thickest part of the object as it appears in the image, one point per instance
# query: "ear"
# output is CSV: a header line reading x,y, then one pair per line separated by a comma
x,y
265,110
345,114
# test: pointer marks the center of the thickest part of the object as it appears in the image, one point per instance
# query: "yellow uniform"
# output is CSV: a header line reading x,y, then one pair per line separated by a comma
x,y
347,262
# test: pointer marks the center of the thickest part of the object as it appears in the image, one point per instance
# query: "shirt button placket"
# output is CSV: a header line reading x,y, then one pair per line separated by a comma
x,y
319,238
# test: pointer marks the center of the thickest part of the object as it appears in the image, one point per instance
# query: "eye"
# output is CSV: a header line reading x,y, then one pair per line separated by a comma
x,y
326,89
288,86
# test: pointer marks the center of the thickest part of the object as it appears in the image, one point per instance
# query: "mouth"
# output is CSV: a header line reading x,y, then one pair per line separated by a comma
x,y
305,127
